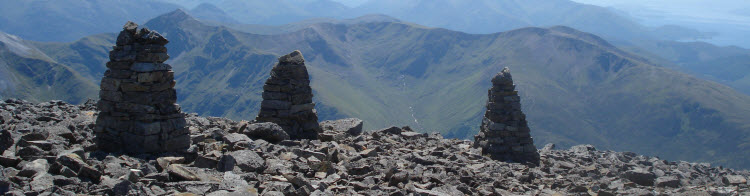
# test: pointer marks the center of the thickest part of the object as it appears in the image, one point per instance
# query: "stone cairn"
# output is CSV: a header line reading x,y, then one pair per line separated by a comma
x,y
137,106
505,134
287,98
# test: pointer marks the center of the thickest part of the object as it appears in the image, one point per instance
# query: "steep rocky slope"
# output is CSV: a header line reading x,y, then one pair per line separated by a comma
x,y
48,149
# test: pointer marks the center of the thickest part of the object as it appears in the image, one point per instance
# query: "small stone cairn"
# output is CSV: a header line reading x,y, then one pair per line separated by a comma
x,y
287,99
505,134
137,106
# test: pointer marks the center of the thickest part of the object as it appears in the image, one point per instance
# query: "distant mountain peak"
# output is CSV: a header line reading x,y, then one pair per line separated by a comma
x,y
15,44
178,17
175,16
21,47
208,6
374,18
582,35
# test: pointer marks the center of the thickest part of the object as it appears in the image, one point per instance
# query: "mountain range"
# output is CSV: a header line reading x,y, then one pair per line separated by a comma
x,y
478,16
28,73
575,86
64,21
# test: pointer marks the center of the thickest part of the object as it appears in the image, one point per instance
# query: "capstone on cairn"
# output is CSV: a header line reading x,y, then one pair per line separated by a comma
x,y
505,134
138,110
287,98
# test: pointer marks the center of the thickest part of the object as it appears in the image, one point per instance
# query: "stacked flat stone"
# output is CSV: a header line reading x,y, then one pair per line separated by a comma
x,y
505,134
138,110
287,98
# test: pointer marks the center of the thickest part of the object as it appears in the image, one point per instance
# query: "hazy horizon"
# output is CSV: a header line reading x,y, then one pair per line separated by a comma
x,y
729,19
723,17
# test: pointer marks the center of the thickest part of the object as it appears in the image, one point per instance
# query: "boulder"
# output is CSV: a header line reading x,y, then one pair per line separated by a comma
x,y
36,167
164,162
133,175
242,161
75,163
42,182
236,141
734,179
121,187
232,181
271,132
640,177
178,172
7,161
4,186
206,161
30,153
667,181
37,135
6,140
350,126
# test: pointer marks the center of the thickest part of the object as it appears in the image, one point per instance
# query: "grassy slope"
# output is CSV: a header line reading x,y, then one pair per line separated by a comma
x,y
37,79
728,65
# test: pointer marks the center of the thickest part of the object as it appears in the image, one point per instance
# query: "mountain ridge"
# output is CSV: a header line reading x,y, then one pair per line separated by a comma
x,y
31,74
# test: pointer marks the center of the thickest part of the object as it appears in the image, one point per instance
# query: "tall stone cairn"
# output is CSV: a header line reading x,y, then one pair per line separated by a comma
x,y
137,106
505,134
287,98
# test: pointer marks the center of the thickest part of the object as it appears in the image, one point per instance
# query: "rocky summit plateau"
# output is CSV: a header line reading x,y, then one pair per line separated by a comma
x,y
49,149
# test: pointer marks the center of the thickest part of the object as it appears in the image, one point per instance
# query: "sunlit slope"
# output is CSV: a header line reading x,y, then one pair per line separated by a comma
x,y
27,73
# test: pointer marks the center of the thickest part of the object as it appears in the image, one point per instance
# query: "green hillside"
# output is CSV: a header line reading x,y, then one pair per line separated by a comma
x,y
729,65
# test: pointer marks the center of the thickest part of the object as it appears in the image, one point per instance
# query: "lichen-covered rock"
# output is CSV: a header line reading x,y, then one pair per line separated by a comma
x,y
36,167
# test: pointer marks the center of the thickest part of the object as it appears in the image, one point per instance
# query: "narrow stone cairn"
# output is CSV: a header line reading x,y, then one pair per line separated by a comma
x,y
505,134
287,98
138,110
